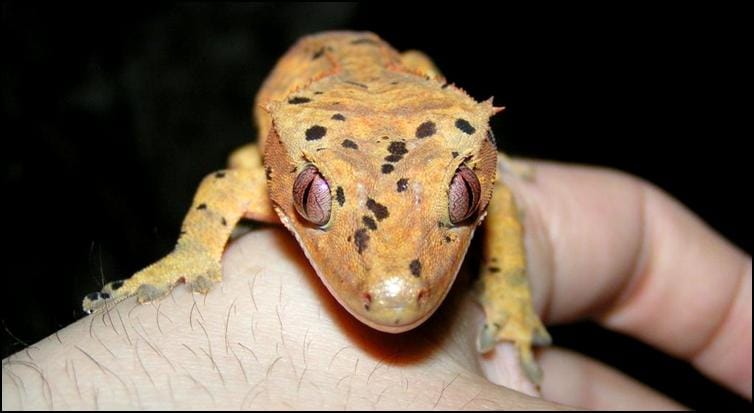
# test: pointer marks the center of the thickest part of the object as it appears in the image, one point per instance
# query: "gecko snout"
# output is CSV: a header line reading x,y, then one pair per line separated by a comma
x,y
393,303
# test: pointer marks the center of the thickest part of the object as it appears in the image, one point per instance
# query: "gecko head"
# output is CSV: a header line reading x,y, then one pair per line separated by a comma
x,y
383,207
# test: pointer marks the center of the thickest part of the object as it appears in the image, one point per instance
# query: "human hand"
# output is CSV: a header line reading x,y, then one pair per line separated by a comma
x,y
270,335
606,246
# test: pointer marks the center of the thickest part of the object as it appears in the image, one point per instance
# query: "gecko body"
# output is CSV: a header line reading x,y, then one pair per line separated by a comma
x,y
382,171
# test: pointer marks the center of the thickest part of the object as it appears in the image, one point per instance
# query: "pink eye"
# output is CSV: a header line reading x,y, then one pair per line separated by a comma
x,y
463,195
311,196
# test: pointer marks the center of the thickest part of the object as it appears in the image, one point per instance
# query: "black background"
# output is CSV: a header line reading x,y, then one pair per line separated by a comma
x,y
112,114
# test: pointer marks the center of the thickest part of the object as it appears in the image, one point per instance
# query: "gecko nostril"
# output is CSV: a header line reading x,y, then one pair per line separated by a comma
x,y
367,299
422,296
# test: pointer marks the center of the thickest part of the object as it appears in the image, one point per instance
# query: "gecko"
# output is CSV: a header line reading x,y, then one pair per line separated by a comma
x,y
382,170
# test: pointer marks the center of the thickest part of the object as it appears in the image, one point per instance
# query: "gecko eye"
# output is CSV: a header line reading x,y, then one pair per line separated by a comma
x,y
463,195
311,196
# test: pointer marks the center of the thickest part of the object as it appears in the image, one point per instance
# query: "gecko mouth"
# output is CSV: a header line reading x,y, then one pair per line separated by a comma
x,y
392,319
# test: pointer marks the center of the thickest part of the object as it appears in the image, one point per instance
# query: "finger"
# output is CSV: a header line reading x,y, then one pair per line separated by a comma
x,y
607,245
576,380
504,368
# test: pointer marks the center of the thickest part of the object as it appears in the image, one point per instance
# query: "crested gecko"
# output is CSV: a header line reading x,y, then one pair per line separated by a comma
x,y
382,171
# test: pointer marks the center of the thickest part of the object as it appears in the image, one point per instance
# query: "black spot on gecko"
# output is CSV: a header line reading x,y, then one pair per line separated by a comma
x,y
347,143
369,222
317,92
219,175
465,126
364,40
454,154
426,130
416,268
402,184
440,224
116,285
338,116
491,137
394,82
202,206
387,168
268,172
298,100
224,222
340,196
361,239
448,239
494,269
393,158
397,148
318,53
380,211
98,295
445,85
315,132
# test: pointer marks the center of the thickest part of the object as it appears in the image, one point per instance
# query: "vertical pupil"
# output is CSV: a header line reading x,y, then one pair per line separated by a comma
x,y
470,196
305,197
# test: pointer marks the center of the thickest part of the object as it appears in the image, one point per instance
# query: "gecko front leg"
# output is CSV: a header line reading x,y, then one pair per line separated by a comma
x,y
223,198
503,286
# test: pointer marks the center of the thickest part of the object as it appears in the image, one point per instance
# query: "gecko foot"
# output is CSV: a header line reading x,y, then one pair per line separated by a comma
x,y
512,319
157,280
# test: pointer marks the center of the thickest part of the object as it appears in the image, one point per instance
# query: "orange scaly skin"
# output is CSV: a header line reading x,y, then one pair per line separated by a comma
x,y
388,135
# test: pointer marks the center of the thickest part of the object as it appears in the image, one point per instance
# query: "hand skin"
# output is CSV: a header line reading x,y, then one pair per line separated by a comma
x,y
269,336
601,245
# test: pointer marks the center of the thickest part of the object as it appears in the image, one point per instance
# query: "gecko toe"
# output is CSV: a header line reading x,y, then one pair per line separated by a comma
x,y
541,337
201,284
487,338
92,301
149,292
531,367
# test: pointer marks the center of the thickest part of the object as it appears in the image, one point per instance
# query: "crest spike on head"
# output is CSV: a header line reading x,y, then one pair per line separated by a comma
x,y
494,110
